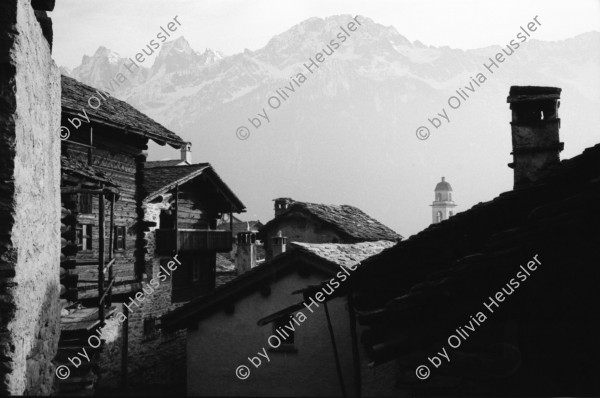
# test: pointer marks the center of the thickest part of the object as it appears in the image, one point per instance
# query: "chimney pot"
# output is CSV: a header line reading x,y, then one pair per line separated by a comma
x,y
535,132
281,204
186,153
278,245
245,258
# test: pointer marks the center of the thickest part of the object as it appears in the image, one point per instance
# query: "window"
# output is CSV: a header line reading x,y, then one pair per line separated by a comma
x,y
167,219
438,197
84,203
150,330
451,213
84,236
449,196
195,272
195,275
439,216
280,330
120,233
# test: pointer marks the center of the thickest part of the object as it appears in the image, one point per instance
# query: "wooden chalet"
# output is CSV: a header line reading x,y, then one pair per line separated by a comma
x,y
187,202
101,184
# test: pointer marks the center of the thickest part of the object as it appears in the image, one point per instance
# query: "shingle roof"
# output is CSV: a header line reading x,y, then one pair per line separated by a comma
x,y
76,167
349,220
159,180
325,257
113,112
345,254
241,226
164,163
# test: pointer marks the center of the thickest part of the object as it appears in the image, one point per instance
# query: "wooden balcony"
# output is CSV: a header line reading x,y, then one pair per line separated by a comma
x,y
193,240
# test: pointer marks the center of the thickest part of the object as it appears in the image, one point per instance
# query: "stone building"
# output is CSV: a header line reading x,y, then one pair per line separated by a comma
x,y
443,206
234,322
29,198
319,223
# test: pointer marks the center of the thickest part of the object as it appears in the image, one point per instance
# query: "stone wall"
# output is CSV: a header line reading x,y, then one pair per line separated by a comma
x,y
29,203
157,358
301,230
224,340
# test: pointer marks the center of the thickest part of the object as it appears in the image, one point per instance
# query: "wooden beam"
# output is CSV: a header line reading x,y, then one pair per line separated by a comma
x,y
335,353
125,335
111,281
355,354
81,190
101,237
176,218
69,142
111,248
109,266
91,147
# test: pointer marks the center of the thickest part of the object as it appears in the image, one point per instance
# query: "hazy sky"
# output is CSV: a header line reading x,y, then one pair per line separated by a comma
x,y
125,26
230,26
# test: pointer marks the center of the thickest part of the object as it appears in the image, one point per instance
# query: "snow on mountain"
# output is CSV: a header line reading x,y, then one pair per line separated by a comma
x,y
351,123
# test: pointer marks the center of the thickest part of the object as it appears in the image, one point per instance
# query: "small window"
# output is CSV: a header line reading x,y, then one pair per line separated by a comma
x,y
120,233
150,330
167,219
449,196
195,272
280,324
438,197
84,203
439,217
451,213
84,237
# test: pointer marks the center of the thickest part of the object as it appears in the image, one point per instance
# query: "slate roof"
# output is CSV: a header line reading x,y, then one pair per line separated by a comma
x,y
325,257
345,254
76,167
415,294
224,264
164,163
159,180
349,220
113,112
241,226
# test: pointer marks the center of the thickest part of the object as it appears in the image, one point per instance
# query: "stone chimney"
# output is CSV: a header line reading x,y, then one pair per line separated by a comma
x,y
278,244
534,126
186,153
245,258
281,204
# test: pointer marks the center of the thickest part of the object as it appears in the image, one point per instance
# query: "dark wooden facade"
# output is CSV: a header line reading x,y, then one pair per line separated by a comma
x,y
190,199
120,158
103,229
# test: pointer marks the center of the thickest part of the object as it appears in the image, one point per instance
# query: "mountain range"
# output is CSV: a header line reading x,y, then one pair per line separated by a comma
x,y
346,133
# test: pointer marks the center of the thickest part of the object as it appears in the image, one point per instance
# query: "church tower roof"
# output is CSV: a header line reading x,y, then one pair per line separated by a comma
x,y
443,185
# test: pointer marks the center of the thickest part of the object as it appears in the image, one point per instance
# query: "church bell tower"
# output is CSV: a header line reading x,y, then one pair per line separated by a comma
x,y
442,207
